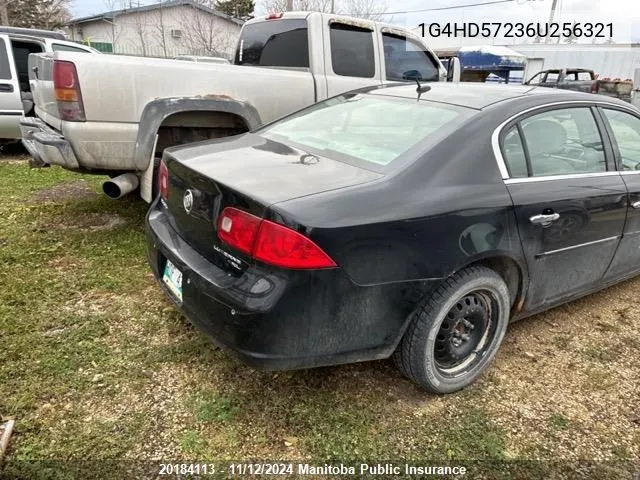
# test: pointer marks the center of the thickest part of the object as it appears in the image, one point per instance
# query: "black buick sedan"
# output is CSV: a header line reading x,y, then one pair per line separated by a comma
x,y
382,223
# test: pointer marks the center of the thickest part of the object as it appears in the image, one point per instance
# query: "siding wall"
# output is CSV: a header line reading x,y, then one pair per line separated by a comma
x,y
148,33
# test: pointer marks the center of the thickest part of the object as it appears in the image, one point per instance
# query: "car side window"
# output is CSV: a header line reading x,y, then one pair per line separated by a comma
x,y
536,79
551,77
626,130
5,71
513,152
557,142
563,142
352,51
406,60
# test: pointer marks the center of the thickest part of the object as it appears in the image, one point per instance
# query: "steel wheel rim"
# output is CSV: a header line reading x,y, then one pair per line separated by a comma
x,y
466,333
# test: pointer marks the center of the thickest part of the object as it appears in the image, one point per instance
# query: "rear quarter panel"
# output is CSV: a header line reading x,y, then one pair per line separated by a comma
x,y
446,211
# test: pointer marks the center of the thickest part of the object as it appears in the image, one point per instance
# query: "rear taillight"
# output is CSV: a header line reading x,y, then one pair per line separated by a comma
x,y
275,16
270,242
163,180
67,91
595,87
238,229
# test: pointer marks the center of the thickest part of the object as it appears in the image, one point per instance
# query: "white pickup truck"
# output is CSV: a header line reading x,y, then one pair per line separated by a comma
x,y
115,115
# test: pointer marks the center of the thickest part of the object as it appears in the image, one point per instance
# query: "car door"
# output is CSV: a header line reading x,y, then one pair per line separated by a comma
x,y
624,129
569,201
10,101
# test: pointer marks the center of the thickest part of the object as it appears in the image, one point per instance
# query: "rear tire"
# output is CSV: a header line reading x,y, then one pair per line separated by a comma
x,y
454,333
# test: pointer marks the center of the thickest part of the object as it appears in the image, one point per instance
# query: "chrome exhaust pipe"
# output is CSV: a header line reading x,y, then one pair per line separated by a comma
x,y
121,185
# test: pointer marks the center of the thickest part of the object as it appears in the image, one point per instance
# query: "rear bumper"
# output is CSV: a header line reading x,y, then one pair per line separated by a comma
x,y
46,145
279,320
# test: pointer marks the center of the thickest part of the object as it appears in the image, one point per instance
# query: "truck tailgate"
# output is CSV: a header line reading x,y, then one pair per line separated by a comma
x,y
41,83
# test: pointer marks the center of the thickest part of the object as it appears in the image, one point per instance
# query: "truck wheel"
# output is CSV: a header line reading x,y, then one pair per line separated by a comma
x,y
455,333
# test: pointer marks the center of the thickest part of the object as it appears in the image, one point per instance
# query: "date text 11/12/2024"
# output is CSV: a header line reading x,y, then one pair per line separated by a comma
x,y
566,30
302,469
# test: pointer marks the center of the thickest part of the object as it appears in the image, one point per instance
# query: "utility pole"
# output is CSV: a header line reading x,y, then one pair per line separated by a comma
x,y
289,5
552,17
333,6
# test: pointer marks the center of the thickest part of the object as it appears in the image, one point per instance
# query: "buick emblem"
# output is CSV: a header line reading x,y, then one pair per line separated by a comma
x,y
187,201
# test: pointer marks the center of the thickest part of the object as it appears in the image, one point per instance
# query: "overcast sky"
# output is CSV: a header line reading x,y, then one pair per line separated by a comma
x,y
622,13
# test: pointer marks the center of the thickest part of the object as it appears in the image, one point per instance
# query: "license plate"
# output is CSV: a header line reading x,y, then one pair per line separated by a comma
x,y
172,278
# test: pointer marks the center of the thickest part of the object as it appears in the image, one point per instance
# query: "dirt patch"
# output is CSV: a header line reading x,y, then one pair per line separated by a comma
x,y
78,189
13,159
92,222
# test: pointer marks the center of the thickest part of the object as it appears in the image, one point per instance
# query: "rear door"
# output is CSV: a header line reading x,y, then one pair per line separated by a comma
x,y
10,101
624,129
570,202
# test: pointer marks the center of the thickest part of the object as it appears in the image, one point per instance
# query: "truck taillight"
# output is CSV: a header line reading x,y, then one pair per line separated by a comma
x,y
595,87
163,180
67,91
270,242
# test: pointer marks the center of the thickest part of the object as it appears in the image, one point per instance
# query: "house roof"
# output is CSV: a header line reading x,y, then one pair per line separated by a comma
x,y
169,3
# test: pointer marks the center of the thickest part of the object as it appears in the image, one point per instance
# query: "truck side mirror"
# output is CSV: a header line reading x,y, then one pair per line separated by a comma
x,y
412,75
454,70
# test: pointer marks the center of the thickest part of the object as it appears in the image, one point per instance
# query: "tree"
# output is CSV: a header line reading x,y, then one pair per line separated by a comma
x,y
375,10
236,8
206,34
47,14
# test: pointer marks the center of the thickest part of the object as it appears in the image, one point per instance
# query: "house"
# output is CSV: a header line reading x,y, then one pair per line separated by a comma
x,y
166,29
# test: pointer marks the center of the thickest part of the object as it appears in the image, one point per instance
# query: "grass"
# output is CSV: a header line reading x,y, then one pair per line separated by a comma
x,y
97,366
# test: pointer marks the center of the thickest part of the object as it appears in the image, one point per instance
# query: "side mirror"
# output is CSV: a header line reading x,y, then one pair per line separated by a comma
x,y
454,70
411,75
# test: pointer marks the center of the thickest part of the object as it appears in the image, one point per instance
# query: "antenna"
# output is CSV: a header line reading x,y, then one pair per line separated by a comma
x,y
421,88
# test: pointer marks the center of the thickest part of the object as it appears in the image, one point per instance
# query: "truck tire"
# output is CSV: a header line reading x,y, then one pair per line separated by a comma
x,y
454,333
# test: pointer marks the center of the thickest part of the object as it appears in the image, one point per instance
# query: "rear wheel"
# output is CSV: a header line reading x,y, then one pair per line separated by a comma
x,y
455,333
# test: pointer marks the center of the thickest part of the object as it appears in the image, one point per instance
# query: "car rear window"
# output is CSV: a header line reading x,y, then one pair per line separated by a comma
x,y
373,130
274,43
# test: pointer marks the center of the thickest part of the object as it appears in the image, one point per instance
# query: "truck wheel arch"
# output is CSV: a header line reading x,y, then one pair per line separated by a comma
x,y
159,114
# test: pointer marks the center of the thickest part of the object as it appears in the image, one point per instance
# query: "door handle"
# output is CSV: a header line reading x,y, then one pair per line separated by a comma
x,y
544,220
6,87
636,204
35,72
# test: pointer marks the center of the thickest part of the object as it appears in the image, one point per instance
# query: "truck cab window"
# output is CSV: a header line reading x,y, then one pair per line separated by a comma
x,y
352,51
405,60
5,71
282,43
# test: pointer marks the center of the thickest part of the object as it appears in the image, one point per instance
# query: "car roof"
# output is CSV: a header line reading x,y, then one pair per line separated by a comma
x,y
476,95
31,32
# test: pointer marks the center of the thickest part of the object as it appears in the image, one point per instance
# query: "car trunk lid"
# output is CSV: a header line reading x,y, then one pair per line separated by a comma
x,y
250,174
